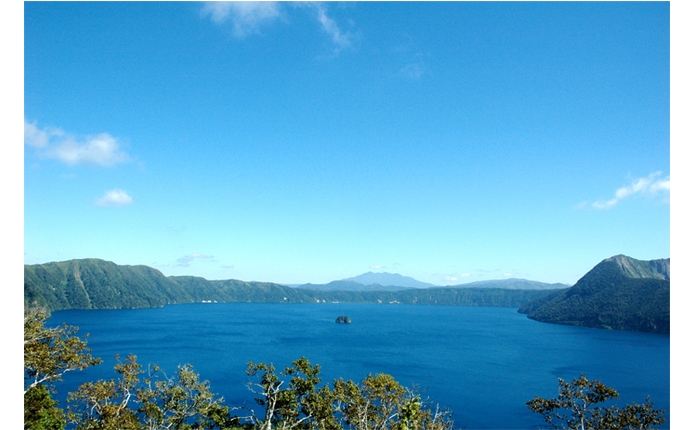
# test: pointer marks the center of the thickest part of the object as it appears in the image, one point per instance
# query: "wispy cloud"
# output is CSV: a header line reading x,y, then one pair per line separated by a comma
x,y
185,261
51,142
114,198
340,39
651,186
246,17
377,267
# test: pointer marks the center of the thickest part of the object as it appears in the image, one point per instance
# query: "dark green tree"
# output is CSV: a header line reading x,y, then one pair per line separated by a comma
x,y
575,408
41,411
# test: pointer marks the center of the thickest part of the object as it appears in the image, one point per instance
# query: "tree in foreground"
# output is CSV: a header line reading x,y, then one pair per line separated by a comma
x,y
153,402
575,408
293,399
379,402
41,411
49,353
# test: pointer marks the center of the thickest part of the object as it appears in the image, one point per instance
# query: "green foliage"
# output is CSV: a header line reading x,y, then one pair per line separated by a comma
x,y
155,402
179,402
574,408
104,404
41,411
297,403
379,402
51,352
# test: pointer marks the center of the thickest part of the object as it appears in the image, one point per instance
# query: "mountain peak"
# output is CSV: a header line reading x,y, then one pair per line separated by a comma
x,y
633,268
388,279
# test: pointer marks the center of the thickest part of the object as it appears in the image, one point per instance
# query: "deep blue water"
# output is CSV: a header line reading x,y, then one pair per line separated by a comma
x,y
483,363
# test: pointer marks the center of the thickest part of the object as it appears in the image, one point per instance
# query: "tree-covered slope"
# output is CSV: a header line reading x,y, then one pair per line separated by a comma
x,y
619,293
99,284
96,284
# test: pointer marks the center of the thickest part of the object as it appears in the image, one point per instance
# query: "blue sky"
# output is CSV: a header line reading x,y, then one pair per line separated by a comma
x,y
308,142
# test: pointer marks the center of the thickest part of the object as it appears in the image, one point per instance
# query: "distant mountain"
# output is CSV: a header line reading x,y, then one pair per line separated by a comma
x,y
388,279
98,284
346,285
394,279
619,293
512,284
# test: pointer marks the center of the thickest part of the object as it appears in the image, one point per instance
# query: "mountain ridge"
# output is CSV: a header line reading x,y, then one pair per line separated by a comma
x,y
385,279
618,293
101,284
346,285
512,283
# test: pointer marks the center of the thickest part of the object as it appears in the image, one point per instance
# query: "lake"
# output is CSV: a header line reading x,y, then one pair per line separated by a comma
x,y
483,363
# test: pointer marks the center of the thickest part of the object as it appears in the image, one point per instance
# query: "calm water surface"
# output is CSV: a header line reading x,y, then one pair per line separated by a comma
x,y
483,363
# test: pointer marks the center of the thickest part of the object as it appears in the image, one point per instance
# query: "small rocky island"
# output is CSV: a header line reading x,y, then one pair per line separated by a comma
x,y
343,320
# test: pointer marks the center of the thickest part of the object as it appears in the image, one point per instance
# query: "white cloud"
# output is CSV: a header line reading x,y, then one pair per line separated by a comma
x,y
651,186
340,39
102,150
449,278
114,198
39,138
377,267
185,261
246,17
50,142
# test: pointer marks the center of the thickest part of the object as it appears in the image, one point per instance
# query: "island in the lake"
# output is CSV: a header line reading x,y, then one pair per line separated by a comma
x,y
343,320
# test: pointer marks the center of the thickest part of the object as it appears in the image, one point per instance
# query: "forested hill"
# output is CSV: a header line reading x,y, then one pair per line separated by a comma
x,y
99,284
619,293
